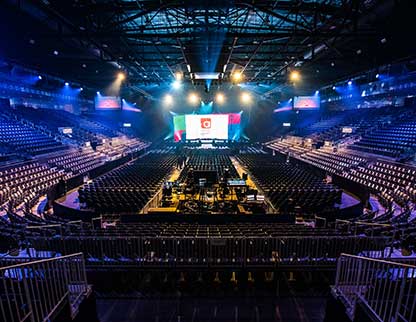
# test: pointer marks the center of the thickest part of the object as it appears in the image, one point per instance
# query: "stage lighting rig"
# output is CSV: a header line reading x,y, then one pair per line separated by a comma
x,y
294,76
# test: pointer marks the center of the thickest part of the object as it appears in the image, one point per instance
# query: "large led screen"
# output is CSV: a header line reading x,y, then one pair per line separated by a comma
x,y
207,126
306,102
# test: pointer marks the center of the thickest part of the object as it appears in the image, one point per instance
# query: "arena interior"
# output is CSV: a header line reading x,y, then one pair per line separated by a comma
x,y
184,161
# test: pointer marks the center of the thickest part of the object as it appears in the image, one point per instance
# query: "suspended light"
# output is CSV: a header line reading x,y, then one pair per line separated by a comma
x,y
168,99
220,98
245,97
178,76
237,77
294,76
121,76
193,98
66,84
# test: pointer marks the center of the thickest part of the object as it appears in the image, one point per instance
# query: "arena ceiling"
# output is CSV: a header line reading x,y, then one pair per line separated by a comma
x,y
152,40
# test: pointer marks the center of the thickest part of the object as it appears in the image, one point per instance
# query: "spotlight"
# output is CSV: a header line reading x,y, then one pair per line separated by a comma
x,y
55,52
193,98
178,76
39,77
176,84
316,92
245,98
121,76
333,87
81,89
98,93
220,98
377,75
168,99
66,84
349,83
294,76
237,76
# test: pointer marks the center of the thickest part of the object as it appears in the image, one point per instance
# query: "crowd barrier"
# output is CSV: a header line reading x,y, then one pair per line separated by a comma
x,y
386,290
38,290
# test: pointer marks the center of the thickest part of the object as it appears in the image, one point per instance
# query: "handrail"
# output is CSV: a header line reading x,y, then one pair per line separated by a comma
x,y
377,260
39,290
40,261
386,289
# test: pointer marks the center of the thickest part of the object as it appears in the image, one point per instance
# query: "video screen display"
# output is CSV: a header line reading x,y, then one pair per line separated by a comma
x,y
107,102
306,102
207,126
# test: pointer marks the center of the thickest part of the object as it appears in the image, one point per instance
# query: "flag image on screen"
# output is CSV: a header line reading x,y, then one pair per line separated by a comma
x,y
107,102
306,102
179,128
207,126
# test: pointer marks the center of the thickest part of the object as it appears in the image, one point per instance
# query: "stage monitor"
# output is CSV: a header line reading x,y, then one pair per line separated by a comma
x,y
104,103
207,127
306,102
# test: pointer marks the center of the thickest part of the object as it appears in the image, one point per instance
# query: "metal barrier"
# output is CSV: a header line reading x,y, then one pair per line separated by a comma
x,y
37,291
386,289
231,251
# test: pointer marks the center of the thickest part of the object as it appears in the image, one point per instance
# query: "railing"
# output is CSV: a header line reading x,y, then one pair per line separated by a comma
x,y
36,291
211,251
386,289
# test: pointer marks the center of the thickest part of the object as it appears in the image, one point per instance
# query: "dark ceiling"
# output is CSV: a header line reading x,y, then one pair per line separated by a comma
x,y
152,40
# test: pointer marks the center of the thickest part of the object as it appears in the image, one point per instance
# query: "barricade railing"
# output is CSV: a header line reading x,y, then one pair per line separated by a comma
x,y
386,289
288,250
38,290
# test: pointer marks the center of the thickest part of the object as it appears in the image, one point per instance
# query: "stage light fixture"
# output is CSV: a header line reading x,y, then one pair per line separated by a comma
x,y
245,98
316,92
377,76
98,93
237,77
121,76
193,98
81,89
349,83
66,84
178,76
168,99
220,98
40,77
294,76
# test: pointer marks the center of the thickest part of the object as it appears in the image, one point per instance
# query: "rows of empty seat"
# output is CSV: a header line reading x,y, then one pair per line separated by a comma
x,y
25,138
76,162
24,183
289,186
127,189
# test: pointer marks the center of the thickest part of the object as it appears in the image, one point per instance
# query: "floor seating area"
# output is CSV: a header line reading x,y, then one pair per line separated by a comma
x,y
290,187
129,187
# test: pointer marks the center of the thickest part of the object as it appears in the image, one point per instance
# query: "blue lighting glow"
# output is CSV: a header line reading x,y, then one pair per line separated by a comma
x,y
176,84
